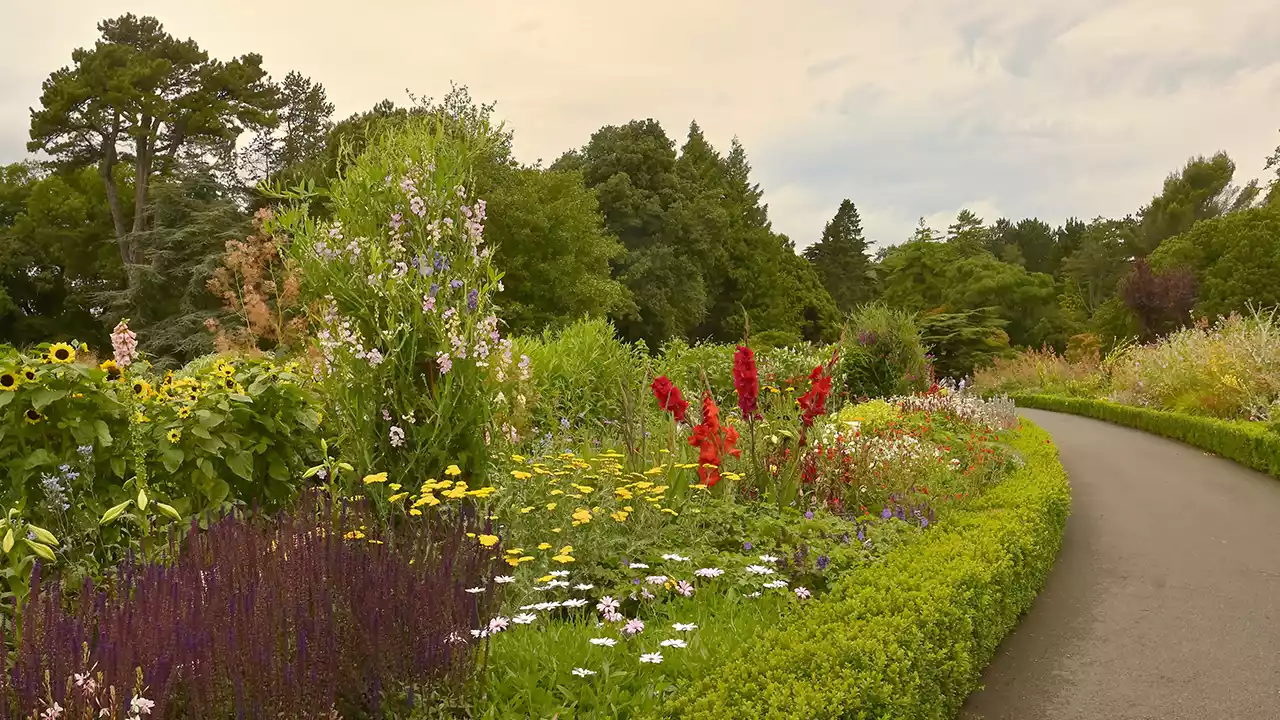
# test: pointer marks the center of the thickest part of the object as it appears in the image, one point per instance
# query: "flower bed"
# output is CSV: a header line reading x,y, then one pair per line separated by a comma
x,y
1251,444
907,637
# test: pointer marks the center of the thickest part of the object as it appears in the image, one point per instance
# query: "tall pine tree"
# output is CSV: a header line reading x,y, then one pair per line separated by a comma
x,y
840,259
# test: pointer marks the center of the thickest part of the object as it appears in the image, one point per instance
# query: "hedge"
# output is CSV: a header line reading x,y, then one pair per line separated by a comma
x,y
1251,444
909,636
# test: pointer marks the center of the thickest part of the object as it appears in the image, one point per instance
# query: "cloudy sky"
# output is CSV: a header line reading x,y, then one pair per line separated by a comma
x,y
910,108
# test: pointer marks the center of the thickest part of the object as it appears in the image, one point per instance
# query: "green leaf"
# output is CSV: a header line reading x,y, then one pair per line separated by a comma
x,y
41,398
103,432
172,458
241,464
7,545
169,510
113,513
240,398
117,465
36,458
40,549
43,535
201,431
6,398
278,470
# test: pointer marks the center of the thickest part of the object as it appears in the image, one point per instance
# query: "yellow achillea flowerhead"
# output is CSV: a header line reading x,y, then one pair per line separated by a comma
x,y
483,492
654,470
551,506
488,540
453,470
354,535
394,487
61,353
520,475
398,497
544,546
375,478
517,458
564,559
581,515
669,511
619,515
415,511
526,510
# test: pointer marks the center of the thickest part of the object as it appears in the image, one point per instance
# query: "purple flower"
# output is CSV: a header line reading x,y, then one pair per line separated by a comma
x,y
444,361
808,515
886,513
747,545
455,284
473,299
431,291
823,562
417,207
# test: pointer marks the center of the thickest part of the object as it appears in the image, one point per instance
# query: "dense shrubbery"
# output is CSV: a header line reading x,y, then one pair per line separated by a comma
x,y
882,354
906,637
1228,370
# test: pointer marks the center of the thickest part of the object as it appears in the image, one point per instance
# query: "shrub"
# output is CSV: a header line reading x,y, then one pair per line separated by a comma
x,y
578,374
882,355
290,618
1044,370
907,637
402,288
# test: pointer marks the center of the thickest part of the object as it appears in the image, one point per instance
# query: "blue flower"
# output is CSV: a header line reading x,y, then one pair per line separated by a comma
x,y
747,545
823,562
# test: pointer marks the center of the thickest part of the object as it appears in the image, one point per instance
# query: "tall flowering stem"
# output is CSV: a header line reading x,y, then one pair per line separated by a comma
x,y
670,399
713,441
746,381
124,344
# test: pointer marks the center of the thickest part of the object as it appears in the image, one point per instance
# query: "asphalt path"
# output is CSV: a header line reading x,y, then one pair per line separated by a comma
x,y
1164,603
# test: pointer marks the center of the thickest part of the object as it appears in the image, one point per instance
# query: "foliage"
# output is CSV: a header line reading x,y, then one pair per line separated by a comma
x,y
550,242
882,354
293,617
144,97
79,439
961,342
840,259
1042,371
1162,301
1236,260
906,637
1199,191
402,287
1251,444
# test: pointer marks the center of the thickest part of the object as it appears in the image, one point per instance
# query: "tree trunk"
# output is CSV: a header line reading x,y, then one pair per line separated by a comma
x,y
142,172
106,168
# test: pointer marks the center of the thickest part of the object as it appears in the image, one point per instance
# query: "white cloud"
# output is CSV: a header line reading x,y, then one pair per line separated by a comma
x,y
914,108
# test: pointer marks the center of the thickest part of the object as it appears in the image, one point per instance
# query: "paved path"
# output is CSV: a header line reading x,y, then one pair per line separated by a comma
x,y
1165,601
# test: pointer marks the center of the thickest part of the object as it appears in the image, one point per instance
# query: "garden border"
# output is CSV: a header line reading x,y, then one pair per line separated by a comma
x,y
909,636
1250,444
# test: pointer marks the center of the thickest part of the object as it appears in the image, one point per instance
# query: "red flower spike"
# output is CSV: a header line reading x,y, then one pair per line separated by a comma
x,y
713,440
669,398
746,380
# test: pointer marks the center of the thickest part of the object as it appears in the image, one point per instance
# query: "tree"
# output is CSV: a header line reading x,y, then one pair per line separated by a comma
x,y
1235,260
1162,301
840,259
1200,190
1097,266
551,244
963,341
57,255
968,233
306,119
143,98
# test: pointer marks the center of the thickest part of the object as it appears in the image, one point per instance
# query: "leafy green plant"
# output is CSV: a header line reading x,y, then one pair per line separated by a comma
x,y
882,354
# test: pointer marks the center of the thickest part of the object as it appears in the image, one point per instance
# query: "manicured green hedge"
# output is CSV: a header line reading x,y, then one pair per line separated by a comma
x,y
908,637
1254,445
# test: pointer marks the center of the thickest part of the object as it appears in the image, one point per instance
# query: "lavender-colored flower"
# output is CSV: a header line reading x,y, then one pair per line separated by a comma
x,y
886,513
808,515
374,357
802,593
684,588
417,206
396,436
633,627
747,545
396,221
473,299
456,283
823,562
445,362
428,304
85,450
564,423
386,415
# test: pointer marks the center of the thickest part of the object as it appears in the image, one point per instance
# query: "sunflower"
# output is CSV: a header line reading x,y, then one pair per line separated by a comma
x,y
174,436
142,388
29,374
226,370
113,370
184,412
61,353
32,416
8,381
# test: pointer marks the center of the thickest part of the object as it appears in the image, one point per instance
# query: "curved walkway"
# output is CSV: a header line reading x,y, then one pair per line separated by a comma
x,y
1165,600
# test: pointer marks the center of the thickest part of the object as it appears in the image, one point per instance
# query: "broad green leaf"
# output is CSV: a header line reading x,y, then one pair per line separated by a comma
x,y
6,398
7,545
104,433
241,464
201,431
172,458
113,513
117,465
41,398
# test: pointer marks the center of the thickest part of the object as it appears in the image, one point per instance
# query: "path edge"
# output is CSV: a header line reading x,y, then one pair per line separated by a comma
x,y
1249,444
908,637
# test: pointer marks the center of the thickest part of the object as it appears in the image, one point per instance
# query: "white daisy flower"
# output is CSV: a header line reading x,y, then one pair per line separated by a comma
x,y
574,603
684,627
654,658
708,572
475,590
583,586
524,618
759,570
504,579
604,642
639,566
675,558
583,672
769,558
559,573
675,643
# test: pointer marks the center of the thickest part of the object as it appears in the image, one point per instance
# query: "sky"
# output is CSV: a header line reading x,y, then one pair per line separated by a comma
x,y
911,108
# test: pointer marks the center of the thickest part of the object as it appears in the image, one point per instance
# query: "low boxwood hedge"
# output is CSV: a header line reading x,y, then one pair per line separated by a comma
x,y
908,637
1254,445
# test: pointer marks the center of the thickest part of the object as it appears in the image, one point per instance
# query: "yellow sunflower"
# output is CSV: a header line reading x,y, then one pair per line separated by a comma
x,y
174,436
32,416
61,353
8,381
142,388
113,370
29,374
225,370
184,412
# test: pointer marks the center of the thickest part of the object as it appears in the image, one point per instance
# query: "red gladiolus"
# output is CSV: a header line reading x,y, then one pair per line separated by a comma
x,y
814,402
669,398
746,381
713,440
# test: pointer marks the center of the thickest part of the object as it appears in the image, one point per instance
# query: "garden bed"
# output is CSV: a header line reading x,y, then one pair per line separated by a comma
x,y
1251,444
907,637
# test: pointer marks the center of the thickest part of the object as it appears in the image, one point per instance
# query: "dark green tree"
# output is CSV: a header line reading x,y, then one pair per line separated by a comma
x,y
969,233
1201,190
963,341
1101,261
840,259
146,99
